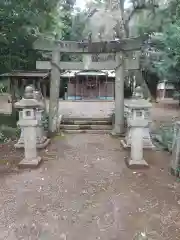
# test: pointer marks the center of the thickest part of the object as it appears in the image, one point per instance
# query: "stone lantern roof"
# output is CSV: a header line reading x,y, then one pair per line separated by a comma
x,y
138,104
28,101
137,101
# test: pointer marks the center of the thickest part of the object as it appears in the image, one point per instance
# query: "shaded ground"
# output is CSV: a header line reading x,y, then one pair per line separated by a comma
x,y
9,157
166,111
85,191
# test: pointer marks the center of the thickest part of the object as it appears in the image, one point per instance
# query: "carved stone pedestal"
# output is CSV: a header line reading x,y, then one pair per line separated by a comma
x,y
31,159
175,161
136,159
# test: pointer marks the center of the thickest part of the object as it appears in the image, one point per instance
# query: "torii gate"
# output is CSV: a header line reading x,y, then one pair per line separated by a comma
x,y
122,48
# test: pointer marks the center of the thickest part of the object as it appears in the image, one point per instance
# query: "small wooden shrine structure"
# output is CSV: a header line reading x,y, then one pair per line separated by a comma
x,y
165,90
17,81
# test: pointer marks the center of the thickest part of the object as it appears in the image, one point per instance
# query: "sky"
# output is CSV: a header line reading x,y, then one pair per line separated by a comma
x,y
81,3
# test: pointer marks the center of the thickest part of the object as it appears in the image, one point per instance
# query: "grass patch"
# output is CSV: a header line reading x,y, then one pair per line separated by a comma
x,y
165,136
4,161
59,136
8,133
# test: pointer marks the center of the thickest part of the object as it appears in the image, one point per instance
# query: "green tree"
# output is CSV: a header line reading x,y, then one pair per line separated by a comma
x,y
164,48
21,22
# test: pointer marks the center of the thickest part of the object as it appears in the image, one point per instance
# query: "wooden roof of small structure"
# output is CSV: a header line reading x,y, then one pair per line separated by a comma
x,y
73,73
27,74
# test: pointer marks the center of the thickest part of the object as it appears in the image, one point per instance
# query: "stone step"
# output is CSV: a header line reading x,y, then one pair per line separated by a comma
x,y
81,120
86,122
87,131
87,118
86,127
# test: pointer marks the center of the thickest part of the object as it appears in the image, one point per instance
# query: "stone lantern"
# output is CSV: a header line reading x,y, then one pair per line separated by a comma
x,y
41,140
138,133
138,109
29,123
136,156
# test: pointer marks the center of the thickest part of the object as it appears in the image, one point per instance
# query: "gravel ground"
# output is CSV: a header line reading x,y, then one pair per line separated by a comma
x,y
84,190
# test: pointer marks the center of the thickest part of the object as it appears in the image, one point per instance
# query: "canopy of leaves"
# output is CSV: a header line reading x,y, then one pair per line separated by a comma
x,y
164,47
22,21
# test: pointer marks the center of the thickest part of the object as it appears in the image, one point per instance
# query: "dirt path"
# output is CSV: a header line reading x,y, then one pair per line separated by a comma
x,y
85,191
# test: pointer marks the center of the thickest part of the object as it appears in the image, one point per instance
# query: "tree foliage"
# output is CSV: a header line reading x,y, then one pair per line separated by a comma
x,y
164,47
22,21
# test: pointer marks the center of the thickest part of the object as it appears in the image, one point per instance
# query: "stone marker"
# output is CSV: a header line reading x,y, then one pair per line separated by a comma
x,y
175,162
41,140
29,123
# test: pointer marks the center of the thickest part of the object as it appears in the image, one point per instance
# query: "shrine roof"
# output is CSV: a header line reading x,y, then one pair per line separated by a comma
x,y
73,73
26,74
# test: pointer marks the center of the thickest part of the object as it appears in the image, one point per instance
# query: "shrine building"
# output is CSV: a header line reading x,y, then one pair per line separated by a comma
x,y
89,84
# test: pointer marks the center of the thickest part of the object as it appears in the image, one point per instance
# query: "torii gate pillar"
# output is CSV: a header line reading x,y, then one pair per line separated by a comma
x,y
119,95
54,92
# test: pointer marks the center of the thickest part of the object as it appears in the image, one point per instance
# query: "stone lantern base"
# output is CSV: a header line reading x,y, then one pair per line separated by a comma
x,y
136,158
136,164
43,143
33,163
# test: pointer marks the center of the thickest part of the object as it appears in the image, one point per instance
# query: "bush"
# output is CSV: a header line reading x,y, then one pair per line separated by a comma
x,y
166,134
9,120
176,95
8,133
45,121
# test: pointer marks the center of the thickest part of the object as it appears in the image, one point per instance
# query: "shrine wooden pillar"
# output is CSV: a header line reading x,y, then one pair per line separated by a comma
x,y
9,84
38,83
22,86
44,89
13,93
119,95
54,91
